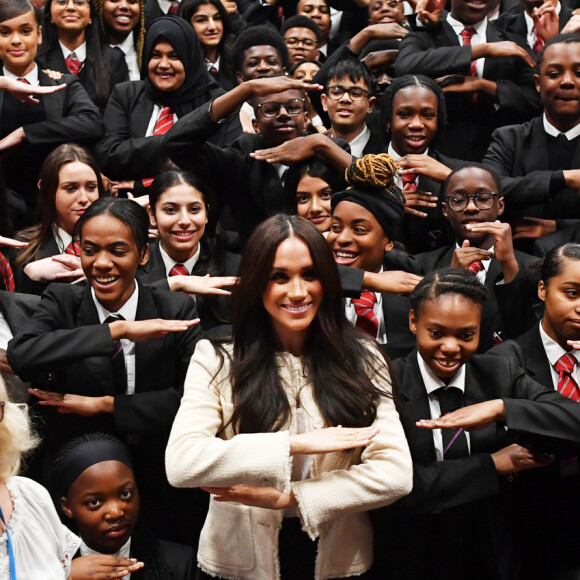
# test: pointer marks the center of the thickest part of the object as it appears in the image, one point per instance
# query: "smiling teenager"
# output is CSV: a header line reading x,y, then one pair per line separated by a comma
x,y
133,364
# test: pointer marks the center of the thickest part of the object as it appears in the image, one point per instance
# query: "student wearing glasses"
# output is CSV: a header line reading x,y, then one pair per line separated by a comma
x,y
473,204
253,188
301,35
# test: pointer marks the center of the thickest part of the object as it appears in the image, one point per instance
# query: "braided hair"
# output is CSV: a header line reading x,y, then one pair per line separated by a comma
x,y
448,281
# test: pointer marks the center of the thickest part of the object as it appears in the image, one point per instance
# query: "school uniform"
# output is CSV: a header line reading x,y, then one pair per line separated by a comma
x,y
456,523
549,528
66,342
438,52
113,61
531,161
62,117
214,311
505,313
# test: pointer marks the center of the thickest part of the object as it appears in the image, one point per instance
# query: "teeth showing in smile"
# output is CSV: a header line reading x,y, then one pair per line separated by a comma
x,y
301,308
447,363
183,234
346,255
106,280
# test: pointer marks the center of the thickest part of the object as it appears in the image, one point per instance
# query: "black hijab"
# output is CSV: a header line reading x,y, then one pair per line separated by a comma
x,y
198,81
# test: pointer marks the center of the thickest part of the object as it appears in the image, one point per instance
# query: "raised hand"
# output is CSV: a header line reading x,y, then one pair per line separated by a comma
x,y
469,418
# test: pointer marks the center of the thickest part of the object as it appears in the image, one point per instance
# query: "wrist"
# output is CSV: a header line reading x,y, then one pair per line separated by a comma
x,y
500,410
292,501
118,329
359,41
510,269
106,405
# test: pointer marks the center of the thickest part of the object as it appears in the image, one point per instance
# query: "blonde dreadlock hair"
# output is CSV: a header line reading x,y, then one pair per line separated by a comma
x,y
374,172
138,32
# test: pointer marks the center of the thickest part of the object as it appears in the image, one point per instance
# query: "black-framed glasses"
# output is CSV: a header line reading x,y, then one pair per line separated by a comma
x,y
482,200
355,93
272,108
307,42
75,2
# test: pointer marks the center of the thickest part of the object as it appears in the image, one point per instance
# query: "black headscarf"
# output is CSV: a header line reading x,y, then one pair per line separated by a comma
x,y
182,38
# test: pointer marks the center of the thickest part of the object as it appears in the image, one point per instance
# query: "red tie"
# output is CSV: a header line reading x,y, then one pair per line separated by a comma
x,y
164,123
74,248
6,274
409,182
178,270
475,267
567,386
21,80
364,308
467,34
73,64
174,8
539,43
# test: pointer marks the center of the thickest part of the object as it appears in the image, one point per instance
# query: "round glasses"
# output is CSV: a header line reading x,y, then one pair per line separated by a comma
x,y
272,108
307,42
75,2
482,200
355,93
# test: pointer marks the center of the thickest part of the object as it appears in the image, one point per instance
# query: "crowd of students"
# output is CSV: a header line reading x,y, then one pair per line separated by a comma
x,y
289,290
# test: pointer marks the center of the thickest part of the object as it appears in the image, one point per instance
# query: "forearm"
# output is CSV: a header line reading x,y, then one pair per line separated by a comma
x,y
226,104
335,155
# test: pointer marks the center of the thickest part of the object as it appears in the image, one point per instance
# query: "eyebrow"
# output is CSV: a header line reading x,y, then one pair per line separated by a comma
x,y
118,243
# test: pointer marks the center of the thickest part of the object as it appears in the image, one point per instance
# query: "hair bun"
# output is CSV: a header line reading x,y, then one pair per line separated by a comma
x,y
372,171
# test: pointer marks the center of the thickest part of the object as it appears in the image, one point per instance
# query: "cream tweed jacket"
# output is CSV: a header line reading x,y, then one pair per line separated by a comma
x,y
240,542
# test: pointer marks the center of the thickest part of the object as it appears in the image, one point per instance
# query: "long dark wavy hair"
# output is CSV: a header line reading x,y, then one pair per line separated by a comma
x,y
336,360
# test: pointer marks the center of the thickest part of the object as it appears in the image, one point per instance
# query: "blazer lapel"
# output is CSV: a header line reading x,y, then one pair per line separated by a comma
x,y
149,350
537,144
141,115
52,104
536,361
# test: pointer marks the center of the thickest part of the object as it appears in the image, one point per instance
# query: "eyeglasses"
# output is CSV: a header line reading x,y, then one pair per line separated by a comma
x,y
482,200
272,108
75,2
307,42
355,93
22,406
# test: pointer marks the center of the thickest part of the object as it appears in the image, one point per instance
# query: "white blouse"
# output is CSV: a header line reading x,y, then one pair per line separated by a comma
x,y
43,546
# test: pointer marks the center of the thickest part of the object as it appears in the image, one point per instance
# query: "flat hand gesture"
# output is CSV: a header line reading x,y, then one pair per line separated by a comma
x,y
272,85
70,404
12,243
203,284
416,164
103,567
465,256
515,458
469,418
292,151
264,497
416,198
144,330
531,227
331,439
25,92
391,281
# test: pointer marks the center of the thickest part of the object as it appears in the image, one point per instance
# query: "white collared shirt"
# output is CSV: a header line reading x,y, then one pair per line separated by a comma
x,y
80,51
62,238
170,262
165,5
128,311
553,132
123,552
358,144
433,383
153,121
480,37
396,157
350,313
215,64
128,49
553,352
31,77
531,36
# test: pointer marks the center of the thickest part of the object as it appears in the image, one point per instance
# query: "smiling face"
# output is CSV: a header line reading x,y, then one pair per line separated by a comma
x,y
356,237
386,11
346,115
561,297
447,329
165,68
110,258
293,294
208,25
414,121
70,17
470,181
260,62
319,11
104,502
559,85
469,11
121,16
283,127
20,38
77,189
180,214
313,201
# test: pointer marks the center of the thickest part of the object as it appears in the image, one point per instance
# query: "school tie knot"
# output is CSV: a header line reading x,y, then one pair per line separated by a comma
x,y
365,314
409,182
467,34
163,124
73,64
178,270
23,80
538,43
567,386
450,399
74,248
475,267
174,8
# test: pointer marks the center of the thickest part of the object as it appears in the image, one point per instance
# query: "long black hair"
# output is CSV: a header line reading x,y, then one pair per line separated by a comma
x,y
336,360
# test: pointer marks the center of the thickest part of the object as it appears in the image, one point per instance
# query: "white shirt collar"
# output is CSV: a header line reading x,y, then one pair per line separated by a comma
x,y
80,51
127,45
433,382
165,5
170,262
128,311
215,64
359,142
458,27
553,350
63,239
553,132
31,77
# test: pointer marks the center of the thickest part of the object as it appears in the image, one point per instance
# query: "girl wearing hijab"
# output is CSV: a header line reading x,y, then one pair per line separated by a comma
x,y
139,113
